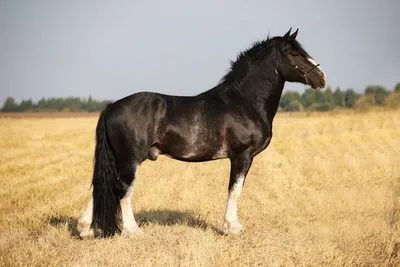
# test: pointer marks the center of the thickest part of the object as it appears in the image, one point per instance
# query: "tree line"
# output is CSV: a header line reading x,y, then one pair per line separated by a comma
x,y
59,104
310,100
327,99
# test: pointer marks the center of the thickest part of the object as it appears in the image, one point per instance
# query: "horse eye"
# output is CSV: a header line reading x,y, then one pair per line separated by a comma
x,y
293,54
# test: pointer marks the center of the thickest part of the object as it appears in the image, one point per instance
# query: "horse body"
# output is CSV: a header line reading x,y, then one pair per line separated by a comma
x,y
193,129
232,120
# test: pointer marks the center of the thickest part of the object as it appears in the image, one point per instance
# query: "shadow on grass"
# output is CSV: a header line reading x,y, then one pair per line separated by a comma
x,y
160,217
173,217
70,222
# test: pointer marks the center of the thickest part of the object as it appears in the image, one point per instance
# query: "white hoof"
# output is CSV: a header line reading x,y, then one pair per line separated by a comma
x,y
131,231
233,227
86,234
84,230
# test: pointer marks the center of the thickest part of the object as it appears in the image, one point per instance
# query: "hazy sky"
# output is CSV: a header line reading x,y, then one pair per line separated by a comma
x,y
111,49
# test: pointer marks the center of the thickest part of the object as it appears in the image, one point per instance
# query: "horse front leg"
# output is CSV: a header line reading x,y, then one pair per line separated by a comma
x,y
240,166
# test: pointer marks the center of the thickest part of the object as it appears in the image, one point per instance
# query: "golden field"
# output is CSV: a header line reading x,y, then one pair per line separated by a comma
x,y
326,192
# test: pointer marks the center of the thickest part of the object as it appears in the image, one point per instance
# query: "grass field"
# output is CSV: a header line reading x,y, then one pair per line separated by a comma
x,y
325,193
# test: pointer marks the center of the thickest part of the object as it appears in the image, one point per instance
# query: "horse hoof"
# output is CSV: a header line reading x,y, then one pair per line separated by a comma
x,y
86,234
84,230
132,231
233,228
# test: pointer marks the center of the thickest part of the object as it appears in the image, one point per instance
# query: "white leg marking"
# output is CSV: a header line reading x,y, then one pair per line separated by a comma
x,y
231,224
85,221
128,220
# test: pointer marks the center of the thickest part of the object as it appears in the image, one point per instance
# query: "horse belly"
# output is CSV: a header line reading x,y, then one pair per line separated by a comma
x,y
193,148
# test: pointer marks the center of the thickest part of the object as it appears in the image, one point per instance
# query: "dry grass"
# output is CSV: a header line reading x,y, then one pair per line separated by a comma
x,y
325,193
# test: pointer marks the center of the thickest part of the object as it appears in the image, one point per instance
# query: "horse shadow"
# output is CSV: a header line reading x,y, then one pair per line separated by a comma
x,y
163,217
172,217
62,221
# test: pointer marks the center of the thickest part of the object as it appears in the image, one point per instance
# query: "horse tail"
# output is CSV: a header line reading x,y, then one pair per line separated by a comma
x,y
107,190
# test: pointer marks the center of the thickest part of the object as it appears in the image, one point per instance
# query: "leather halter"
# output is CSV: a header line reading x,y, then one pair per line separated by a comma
x,y
305,74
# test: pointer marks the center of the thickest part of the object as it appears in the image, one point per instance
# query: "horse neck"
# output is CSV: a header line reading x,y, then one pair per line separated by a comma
x,y
262,88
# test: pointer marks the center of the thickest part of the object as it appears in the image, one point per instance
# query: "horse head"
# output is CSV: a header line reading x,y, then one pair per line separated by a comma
x,y
296,65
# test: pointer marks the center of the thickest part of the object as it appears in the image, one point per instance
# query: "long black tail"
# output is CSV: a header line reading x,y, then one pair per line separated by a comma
x,y
106,186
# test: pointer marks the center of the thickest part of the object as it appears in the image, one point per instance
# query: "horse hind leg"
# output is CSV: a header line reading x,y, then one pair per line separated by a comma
x,y
130,226
84,222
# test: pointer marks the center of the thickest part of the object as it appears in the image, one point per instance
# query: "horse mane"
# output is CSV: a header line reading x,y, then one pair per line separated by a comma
x,y
240,67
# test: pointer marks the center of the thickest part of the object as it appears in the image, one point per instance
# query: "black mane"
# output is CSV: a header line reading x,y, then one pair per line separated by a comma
x,y
240,67
259,50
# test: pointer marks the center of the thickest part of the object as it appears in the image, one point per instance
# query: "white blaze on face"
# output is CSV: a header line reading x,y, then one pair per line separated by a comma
x,y
318,68
314,63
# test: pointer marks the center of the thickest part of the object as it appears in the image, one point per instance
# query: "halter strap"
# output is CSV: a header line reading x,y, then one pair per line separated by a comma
x,y
305,74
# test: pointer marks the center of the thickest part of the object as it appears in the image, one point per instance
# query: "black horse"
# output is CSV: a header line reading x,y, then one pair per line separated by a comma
x,y
232,120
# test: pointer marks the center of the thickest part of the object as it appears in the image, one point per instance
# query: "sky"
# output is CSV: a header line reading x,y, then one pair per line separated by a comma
x,y
111,49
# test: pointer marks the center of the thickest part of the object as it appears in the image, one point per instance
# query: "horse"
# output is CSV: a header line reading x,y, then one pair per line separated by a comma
x,y
231,120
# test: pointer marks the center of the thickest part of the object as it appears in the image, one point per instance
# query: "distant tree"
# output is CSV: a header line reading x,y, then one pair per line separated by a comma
x,y
380,96
379,93
365,102
320,97
42,104
308,97
90,106
26,105
93,105
350,98
9,105
338,98
393,100
321,107
72,103
370,90
288,97
328,98
397,87
56,104
294,105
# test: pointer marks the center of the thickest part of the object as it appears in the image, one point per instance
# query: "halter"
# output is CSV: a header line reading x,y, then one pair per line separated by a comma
x,y
305,74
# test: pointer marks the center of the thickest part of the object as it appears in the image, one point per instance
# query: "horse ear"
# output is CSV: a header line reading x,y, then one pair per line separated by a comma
x,y
294,35
286,36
